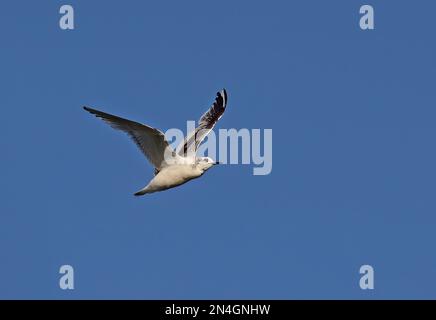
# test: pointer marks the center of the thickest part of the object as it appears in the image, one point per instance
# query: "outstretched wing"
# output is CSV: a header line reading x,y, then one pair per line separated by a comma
x,y
205,125
150,141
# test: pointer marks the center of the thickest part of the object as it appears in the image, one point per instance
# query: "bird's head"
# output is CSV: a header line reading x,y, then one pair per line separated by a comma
x,y
205,163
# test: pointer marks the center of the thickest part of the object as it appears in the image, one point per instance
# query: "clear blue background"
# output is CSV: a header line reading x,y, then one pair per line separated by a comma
x,y
353,119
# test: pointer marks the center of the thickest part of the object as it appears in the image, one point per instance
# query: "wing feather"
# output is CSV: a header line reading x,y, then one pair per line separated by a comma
x,y
205,125
149,140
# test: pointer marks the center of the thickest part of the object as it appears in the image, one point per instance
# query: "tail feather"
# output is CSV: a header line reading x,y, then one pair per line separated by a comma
x,y
141,192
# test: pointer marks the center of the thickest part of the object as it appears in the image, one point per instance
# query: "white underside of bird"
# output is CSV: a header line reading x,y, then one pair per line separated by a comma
x,y
172,168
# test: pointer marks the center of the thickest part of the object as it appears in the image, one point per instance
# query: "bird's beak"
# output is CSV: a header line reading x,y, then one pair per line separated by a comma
x,y
217,163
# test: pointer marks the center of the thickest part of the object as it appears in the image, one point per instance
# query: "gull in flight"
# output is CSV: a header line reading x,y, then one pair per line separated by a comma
x,y
172,168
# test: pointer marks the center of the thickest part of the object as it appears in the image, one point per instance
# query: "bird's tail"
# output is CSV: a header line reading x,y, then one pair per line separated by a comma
x,y
143,191
140,193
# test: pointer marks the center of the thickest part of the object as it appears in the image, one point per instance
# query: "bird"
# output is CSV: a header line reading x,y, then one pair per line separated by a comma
x,y
172,168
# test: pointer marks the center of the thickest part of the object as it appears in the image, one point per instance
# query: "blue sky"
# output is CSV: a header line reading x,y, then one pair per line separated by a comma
x,y
353,178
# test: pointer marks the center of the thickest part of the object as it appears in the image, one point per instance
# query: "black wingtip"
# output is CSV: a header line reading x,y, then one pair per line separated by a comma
x,y
223,93
90,110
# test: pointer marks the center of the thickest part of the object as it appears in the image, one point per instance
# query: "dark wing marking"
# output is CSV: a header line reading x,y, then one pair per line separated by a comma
x,y
205,124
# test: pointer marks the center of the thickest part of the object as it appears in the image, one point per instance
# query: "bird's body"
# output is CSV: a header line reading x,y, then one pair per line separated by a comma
x,y
170,177
172,168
